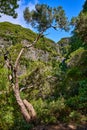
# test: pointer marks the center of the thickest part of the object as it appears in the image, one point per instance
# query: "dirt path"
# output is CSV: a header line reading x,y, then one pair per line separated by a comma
x,y
60,127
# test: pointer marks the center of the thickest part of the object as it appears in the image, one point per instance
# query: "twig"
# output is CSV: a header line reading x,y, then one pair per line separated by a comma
x,y
24,88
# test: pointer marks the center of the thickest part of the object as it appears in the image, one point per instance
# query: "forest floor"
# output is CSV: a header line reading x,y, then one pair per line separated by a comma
x,y
61,127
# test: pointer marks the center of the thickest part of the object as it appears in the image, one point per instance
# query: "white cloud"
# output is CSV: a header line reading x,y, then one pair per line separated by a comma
x,y
31,5
19,20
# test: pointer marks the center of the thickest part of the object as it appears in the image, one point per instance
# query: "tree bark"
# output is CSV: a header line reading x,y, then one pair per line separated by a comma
x,y
30,109
26,108
21,104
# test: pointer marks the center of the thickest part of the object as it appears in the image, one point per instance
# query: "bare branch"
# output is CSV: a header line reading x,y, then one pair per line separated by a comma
x,y
54,27
38,37
24,88
18,58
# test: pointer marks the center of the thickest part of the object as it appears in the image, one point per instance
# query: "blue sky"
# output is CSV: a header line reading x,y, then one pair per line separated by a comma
x,y
71,7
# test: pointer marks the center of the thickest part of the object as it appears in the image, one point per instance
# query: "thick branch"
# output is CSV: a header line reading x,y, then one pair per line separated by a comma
x,y
27,109
18,58
28,46
54,27
24,88
38,37
40,34
30,109
21,104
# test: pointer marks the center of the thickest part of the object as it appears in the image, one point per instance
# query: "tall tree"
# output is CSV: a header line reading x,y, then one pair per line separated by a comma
x,y
80,23
8,7
85,6
26,108
44,17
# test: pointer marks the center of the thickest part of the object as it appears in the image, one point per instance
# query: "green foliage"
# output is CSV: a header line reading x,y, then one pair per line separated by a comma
x,y
80,24
74,115
37,80
9,8
77,57
48,111
14,51
1,59
46,45
64,46
3,79
85,7
16,33
56,88
75,43
44,17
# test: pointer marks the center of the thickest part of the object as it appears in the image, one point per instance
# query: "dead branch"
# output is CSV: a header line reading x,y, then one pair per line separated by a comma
x,y
18,58
24,88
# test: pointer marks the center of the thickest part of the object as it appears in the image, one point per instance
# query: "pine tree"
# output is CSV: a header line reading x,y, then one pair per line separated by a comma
x,y
80,24
8,7
45,17
85,6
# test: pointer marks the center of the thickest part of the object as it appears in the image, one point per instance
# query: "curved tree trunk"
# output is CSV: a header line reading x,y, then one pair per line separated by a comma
x,y
26,108
30,109
21,105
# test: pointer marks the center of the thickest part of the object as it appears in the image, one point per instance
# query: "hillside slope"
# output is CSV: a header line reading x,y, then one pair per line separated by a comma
x,y
53,77
36,62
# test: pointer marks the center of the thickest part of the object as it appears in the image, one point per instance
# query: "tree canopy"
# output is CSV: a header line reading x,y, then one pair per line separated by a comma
x,y
80,23
8,7
44,17
85,6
